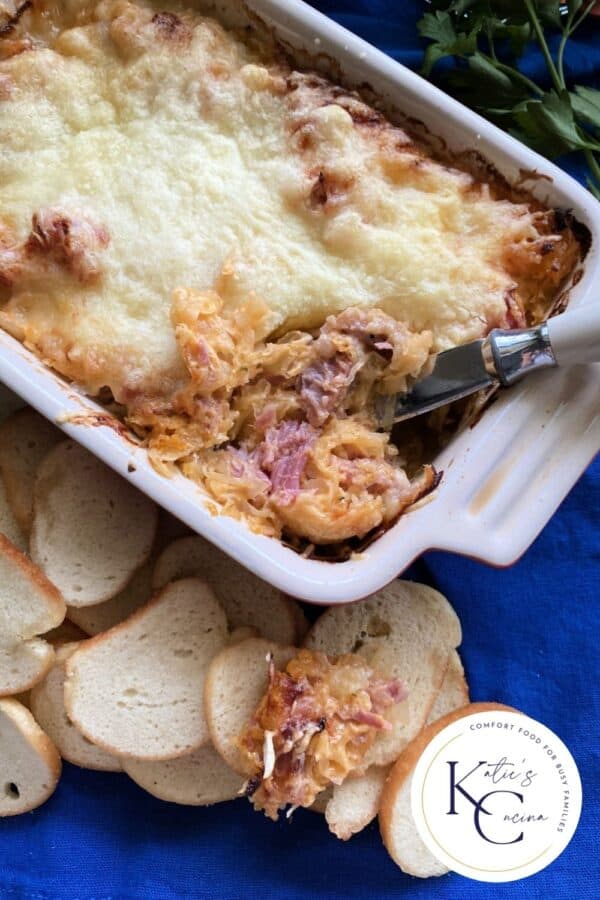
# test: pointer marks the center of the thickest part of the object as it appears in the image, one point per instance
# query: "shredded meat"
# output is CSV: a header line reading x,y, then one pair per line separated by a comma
x,y
71,241
353,346
324,385
313,727
283,456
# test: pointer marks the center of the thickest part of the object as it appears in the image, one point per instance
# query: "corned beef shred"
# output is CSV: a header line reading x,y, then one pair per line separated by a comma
x,y
283,456
324,384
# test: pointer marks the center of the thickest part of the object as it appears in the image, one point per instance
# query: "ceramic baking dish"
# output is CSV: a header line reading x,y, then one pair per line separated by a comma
x,y
503,477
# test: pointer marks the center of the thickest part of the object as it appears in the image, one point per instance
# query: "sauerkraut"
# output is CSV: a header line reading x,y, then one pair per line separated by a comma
x,y
302,452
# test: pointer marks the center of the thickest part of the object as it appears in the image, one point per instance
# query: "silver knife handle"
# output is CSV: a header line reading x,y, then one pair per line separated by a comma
x,y
509,355
568,339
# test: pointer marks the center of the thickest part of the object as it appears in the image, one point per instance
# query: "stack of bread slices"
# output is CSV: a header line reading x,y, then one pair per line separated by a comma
x,y
129,645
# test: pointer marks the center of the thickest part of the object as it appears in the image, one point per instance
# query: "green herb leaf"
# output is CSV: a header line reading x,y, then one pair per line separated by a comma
x,y
548,125
486,87
586,103
437,27
447,42
549,12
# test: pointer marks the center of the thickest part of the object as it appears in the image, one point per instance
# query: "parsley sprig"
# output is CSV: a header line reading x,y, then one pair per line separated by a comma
x,y
486,39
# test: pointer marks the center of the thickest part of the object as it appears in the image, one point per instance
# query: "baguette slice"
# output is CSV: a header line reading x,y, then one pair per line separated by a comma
x,y
246,599
47,703
29,606
396,822
29,762
243,633
25,439
454,692
91,529
136,690
199,779
236,681
355,803
406,631
102,616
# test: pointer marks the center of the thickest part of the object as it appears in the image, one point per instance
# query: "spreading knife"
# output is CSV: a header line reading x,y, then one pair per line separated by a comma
x,y
500,359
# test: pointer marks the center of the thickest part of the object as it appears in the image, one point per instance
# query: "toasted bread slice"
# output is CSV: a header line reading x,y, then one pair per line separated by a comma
x,y
136,690
29,762
47,703
200,779
91,529
243,633
236,681
9,526
406,631
25,439
246,599
396,822
454,692
355,802
102,616
29,606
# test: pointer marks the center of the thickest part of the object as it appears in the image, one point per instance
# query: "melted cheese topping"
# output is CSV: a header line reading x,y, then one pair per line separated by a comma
x,y
208,168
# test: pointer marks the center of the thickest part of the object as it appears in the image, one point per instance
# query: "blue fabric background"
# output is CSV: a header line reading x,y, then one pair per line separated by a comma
x,y
530,639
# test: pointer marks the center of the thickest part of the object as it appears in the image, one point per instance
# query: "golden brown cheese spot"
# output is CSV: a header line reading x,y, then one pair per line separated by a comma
x,y
170,28
329,188
10,47
128,27
314,726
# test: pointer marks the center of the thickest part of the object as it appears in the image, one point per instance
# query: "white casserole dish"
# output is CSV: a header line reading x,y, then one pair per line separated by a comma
x,y
503,477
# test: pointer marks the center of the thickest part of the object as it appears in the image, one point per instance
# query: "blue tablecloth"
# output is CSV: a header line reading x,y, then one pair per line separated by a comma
x,y
530,639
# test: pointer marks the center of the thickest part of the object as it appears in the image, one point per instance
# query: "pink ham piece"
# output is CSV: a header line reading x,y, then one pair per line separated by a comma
x,y
283,456
324,384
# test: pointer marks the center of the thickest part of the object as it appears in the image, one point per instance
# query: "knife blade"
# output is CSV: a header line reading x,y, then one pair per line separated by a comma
x,y
503,357
456,373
